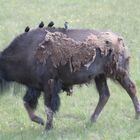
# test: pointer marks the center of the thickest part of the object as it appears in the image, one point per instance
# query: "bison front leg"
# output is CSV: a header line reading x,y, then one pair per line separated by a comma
x,y
129,86
30,103
48,109
102,88
52,101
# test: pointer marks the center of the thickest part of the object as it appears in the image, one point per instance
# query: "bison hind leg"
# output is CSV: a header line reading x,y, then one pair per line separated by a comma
x,y
30,103
130,87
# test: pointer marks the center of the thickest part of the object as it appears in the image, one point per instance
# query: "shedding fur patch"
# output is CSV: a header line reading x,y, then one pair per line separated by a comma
x,y
62,50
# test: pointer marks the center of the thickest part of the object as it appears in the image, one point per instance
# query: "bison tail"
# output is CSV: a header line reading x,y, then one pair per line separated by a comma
x,y
4,86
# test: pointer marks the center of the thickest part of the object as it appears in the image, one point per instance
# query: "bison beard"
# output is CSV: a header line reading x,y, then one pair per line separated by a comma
x,y
51,59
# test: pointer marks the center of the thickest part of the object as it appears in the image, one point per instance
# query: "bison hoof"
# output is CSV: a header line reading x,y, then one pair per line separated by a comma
x,y
37,120
48,126
93,118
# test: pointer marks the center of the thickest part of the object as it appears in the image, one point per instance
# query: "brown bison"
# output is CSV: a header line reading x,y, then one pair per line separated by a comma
x,y
50,59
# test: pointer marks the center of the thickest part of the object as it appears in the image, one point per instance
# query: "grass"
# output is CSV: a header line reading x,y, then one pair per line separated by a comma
x,y
116,122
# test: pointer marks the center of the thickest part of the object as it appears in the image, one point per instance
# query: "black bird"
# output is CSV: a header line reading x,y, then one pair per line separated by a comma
x,y
27,29
41,25
66,25
51,24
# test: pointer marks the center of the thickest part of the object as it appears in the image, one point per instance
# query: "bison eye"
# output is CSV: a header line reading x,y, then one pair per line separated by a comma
x,y
107,42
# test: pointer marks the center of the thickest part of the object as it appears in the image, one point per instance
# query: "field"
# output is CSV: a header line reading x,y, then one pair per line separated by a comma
x,y
72,122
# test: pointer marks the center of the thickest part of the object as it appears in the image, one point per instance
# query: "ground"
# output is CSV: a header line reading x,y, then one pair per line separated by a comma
x,y
116,122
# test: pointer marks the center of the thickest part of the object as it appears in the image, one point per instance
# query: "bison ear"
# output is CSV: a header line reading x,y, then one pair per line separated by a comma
x,y
120,39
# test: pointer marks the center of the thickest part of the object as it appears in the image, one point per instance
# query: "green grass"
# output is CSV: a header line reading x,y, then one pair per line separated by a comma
x,y
116,122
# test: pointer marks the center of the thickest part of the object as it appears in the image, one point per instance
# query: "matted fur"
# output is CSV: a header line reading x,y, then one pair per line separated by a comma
x,y
62,50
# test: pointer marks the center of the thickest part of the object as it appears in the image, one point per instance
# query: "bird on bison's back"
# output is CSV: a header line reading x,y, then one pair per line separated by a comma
x,y
27,29
41,25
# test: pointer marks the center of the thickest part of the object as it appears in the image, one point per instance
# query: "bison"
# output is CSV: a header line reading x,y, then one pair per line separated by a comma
x,y
50,59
